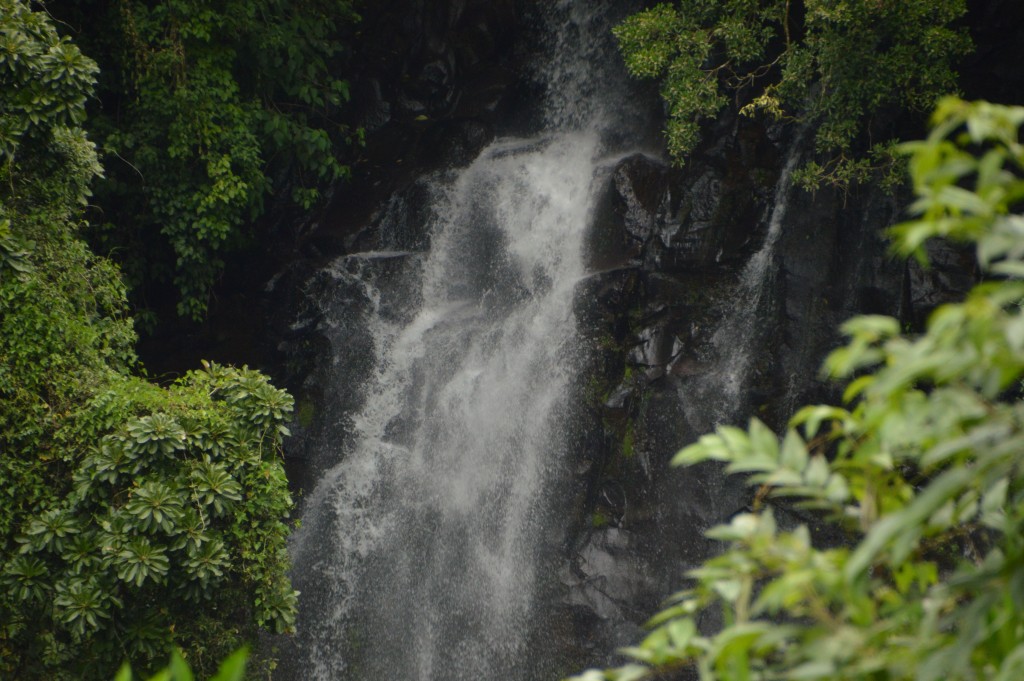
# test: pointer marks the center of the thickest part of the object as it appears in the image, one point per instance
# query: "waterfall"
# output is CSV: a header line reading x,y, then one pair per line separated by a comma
x,y
735,341
421,553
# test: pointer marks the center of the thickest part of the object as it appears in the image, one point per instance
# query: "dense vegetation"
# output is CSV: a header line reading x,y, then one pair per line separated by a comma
x,y
205,110
839,65
131,516
922,470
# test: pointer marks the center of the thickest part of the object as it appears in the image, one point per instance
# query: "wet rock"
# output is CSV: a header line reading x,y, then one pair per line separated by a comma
x,y
618,401
373,111
456,143
431,80
653,348
673,221
641,185
608,576
426,54
951,272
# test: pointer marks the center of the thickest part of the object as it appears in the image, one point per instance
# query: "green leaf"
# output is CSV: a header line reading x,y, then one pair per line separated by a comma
x,y
811,417
233,668
818,471
178,668
907,521
794,452
743,526
124,673
816,669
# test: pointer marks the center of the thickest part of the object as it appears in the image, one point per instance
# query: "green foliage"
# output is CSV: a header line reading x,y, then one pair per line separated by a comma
x,y
177,508
62,330
207,108
132,517
836,63
922,469
232,669
45,79
44,84
13,259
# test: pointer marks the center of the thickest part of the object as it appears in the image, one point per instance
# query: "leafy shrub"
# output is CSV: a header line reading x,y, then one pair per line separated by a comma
x,y
46,78
922,469
175,511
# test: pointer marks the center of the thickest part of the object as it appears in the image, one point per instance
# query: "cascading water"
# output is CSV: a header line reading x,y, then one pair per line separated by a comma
x,y
736,355
735,340
421,552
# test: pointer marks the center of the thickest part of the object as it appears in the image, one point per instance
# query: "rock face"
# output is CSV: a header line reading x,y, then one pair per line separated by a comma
x,y
433,82
701,314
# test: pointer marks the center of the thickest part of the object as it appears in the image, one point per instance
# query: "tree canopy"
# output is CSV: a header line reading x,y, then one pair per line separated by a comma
x,y
838,64
205,110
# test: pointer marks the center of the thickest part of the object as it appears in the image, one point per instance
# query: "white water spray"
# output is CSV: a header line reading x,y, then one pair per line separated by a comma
x,y
422,547
735,338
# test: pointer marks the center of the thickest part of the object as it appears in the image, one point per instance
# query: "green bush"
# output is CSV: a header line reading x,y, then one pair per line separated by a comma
x,y
922,470
165,527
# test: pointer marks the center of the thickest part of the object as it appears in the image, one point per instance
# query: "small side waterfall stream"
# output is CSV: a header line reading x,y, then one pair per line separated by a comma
x,y
420,552
735,338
